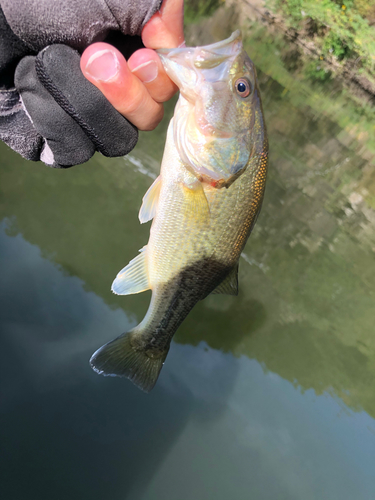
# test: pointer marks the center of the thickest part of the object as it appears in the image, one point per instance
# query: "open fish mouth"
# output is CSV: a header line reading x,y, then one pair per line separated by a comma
x,y
180,63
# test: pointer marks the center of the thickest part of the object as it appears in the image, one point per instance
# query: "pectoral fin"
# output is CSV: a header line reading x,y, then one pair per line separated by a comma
x,y
150,202
134,277
229,286
196,202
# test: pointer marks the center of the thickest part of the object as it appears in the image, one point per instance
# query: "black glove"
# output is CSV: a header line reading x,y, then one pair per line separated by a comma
x,y
48,110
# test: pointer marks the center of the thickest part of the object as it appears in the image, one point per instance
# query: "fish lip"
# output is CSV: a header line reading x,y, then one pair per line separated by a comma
x,y
213,47
222,43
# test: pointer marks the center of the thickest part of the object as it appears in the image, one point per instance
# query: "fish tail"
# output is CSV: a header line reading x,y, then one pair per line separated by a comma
x,y
125,356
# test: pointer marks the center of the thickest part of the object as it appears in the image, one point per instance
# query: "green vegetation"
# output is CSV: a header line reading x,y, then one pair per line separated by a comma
x,y
316,72
342,29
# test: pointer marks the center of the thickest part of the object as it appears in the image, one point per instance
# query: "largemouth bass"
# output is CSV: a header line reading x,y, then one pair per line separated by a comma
x,y
204,204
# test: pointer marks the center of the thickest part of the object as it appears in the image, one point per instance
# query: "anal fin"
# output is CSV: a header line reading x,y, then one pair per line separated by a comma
x,y
229,286
134,277
150,202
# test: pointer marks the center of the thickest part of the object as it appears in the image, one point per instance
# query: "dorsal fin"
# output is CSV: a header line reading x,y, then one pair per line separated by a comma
x,y
134,277
150,202
229,285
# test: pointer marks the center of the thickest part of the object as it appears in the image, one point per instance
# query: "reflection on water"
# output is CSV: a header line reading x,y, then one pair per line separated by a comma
x,y
268,394
215,426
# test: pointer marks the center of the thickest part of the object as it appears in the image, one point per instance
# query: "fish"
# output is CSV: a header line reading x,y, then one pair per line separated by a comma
x,y
203,205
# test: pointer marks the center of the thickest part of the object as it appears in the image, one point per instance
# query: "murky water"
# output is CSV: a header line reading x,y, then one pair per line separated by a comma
x,y
268,395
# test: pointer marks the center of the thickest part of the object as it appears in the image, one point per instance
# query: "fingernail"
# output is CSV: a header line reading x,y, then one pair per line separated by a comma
x,y
146,72
103,65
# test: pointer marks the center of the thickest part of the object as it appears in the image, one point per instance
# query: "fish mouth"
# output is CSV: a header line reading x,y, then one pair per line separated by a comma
x,y
181,63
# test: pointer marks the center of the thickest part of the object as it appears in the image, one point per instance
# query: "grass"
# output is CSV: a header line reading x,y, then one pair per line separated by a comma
x,y
343,30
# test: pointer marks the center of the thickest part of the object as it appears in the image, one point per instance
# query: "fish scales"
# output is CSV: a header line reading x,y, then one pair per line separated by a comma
x,y
204,204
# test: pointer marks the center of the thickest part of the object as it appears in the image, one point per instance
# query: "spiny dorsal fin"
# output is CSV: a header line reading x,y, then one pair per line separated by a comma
x,y
133,278
230,285
196,202
150,201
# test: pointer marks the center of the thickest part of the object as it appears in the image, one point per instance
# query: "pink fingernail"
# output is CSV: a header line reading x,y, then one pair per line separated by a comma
x,y
146,72
103,65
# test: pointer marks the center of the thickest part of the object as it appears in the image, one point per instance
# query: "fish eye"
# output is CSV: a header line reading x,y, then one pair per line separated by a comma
x,y
243,87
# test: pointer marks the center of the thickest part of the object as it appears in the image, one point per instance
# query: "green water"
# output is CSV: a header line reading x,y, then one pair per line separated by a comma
x,y
268,395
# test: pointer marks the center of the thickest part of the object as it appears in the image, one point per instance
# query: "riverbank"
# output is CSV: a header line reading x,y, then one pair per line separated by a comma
x,y
330,42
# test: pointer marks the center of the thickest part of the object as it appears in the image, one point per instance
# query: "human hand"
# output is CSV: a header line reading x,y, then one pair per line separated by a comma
x,y
53,112
137,88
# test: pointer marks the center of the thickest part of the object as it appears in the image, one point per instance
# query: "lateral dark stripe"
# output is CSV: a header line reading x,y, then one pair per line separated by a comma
x,y
64,103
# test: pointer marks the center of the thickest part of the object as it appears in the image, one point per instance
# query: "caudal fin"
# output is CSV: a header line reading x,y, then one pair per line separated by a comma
x,y
123,359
